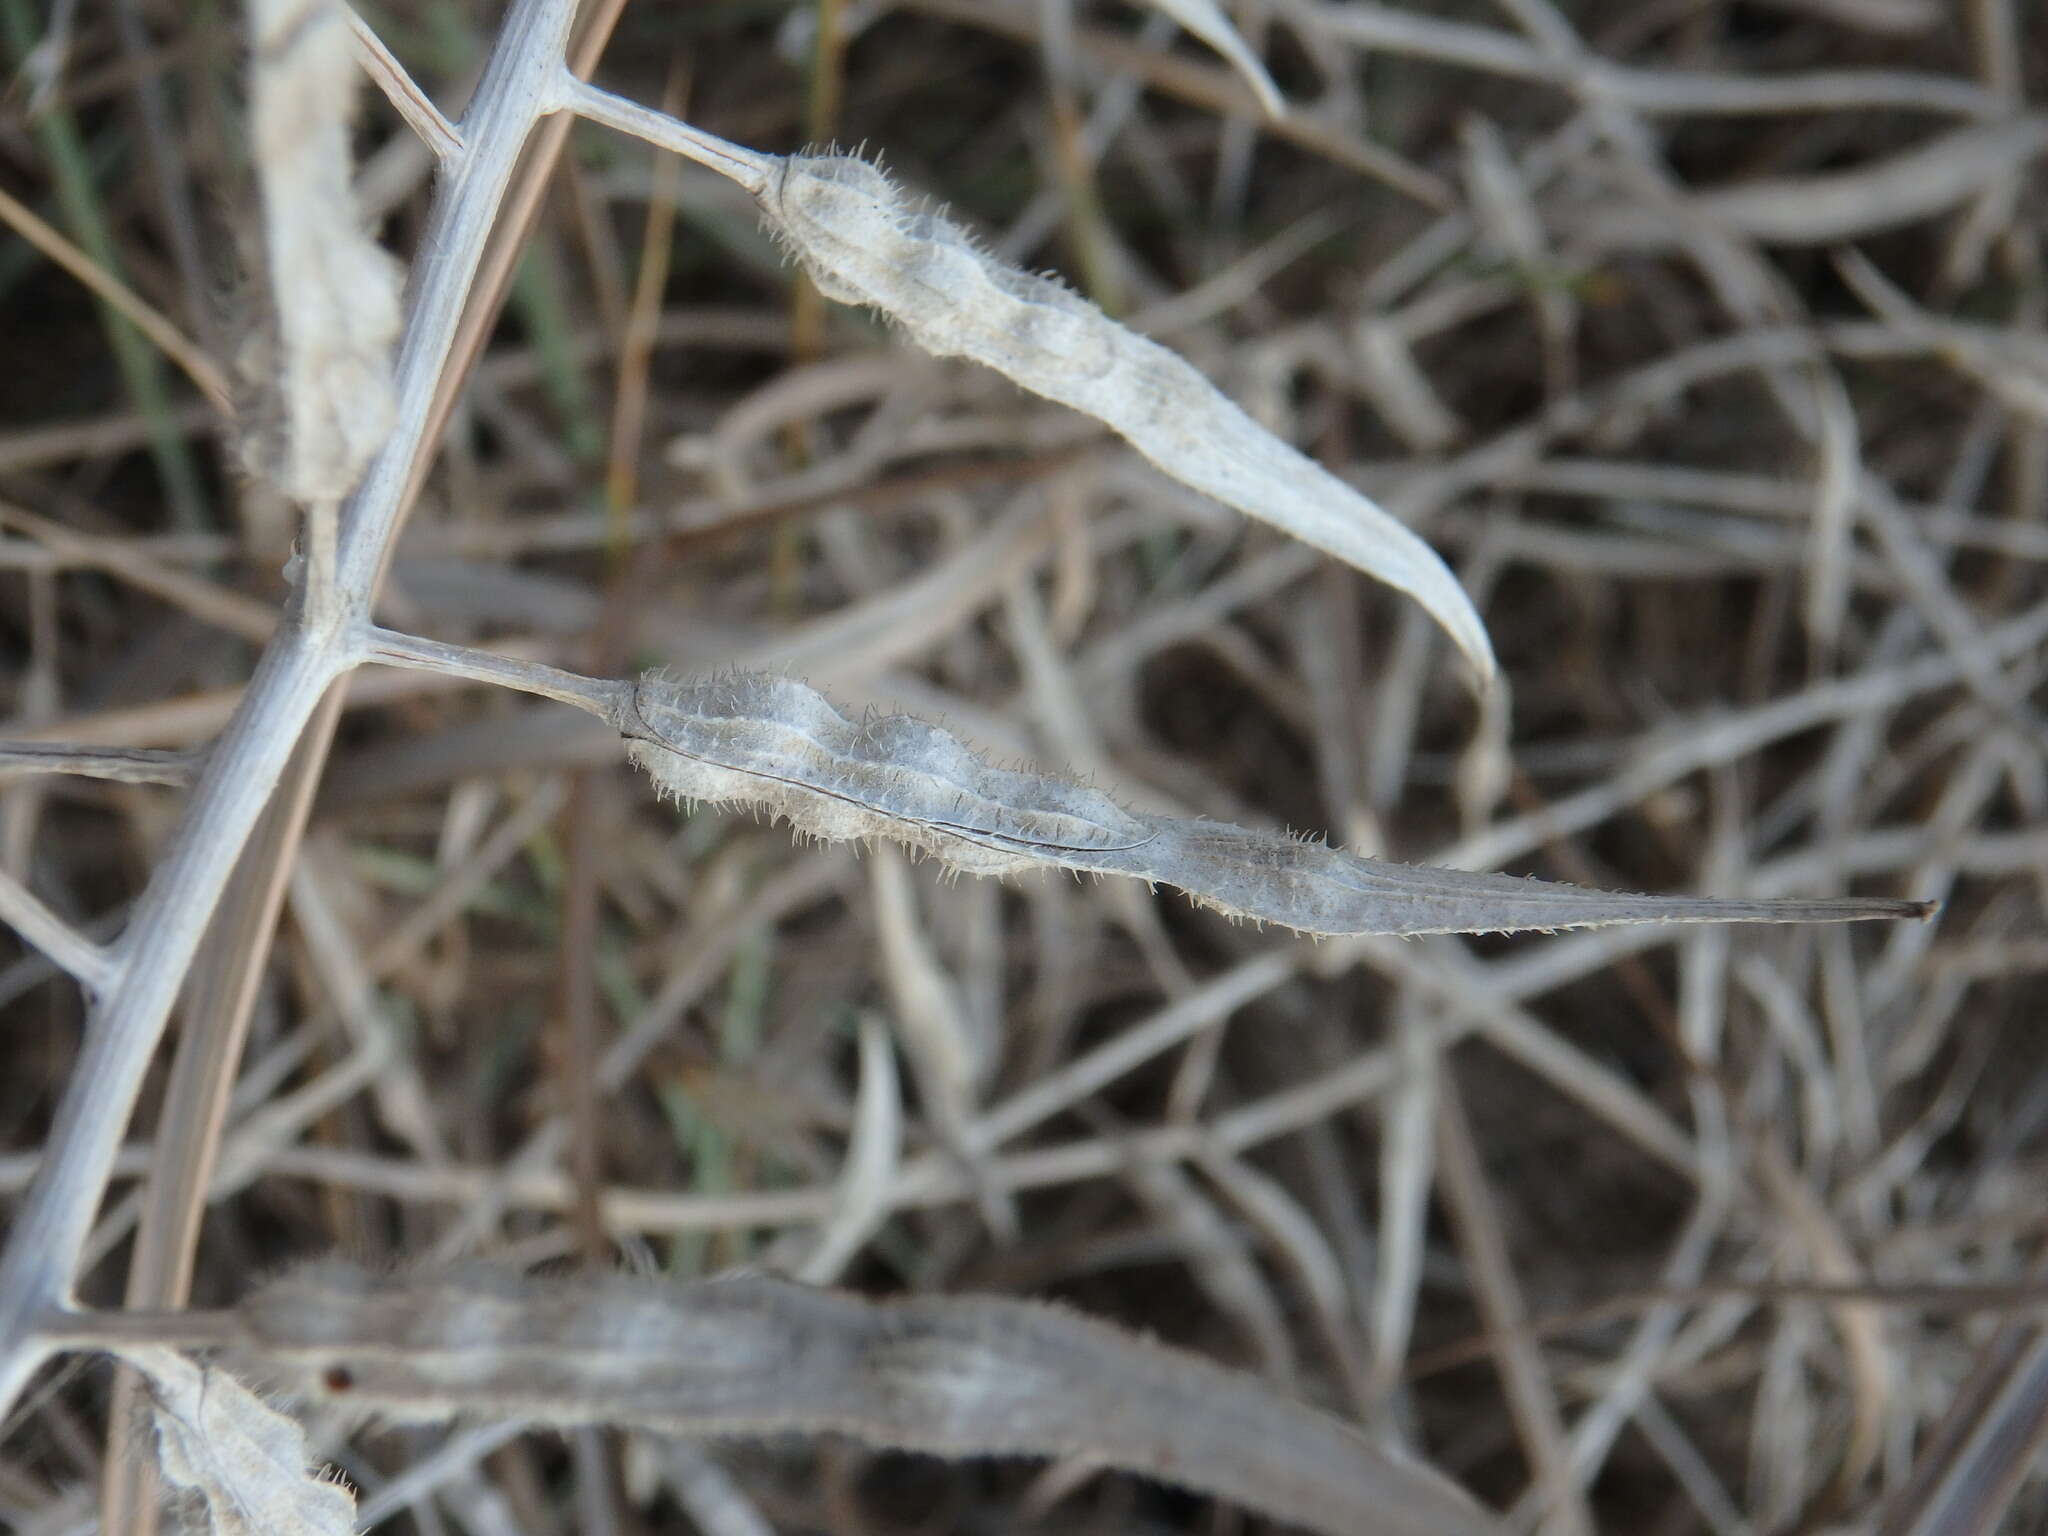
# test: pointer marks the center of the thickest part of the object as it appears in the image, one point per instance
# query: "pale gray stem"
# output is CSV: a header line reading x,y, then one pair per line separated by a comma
x,y
135,1328
411,103
749,168
149,963
45,930
607,698
150,959
322,596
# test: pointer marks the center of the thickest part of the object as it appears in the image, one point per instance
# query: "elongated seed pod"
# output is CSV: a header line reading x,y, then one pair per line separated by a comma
x,y
774,745
864,240
319,370
1314,888
752,1355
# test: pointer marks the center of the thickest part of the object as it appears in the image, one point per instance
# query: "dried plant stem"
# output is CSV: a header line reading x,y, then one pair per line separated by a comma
x,y
748,168
149,961
22,911
119,297
220,995
598,696
124,765
411,103
1667,92
1184,1108
148,964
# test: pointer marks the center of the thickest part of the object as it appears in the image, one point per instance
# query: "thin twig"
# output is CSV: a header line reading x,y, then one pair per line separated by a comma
x,y
123,765
167,338
23,911
399,88
605,698
746,167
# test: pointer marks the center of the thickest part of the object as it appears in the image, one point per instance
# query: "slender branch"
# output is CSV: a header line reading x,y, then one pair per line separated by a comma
x,y
749,168
119,297
126,765
131,1329
58,940
516,91
171,916
150,961
405,96
607,698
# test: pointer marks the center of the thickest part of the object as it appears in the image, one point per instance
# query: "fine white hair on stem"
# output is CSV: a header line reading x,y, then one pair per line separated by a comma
x,y
772,744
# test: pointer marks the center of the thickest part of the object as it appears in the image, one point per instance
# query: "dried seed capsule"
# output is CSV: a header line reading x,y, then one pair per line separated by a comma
x,y
864,240
772,744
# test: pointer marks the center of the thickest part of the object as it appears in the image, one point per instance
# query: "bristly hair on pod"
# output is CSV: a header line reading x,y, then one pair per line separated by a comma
x,y
778,747
864,241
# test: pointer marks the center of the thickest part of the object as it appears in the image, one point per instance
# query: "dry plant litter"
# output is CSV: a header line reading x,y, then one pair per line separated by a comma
x,y
1757,534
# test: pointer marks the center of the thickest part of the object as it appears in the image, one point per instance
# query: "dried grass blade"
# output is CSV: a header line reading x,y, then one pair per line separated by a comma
x,y
872,1155
1205,19
748,1355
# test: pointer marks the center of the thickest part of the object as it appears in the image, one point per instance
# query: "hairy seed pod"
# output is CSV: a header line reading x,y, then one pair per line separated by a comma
x,y
773,744
864,240
750,1355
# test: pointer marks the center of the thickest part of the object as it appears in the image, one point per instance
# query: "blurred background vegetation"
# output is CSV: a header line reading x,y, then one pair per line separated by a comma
x,y
1704,336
